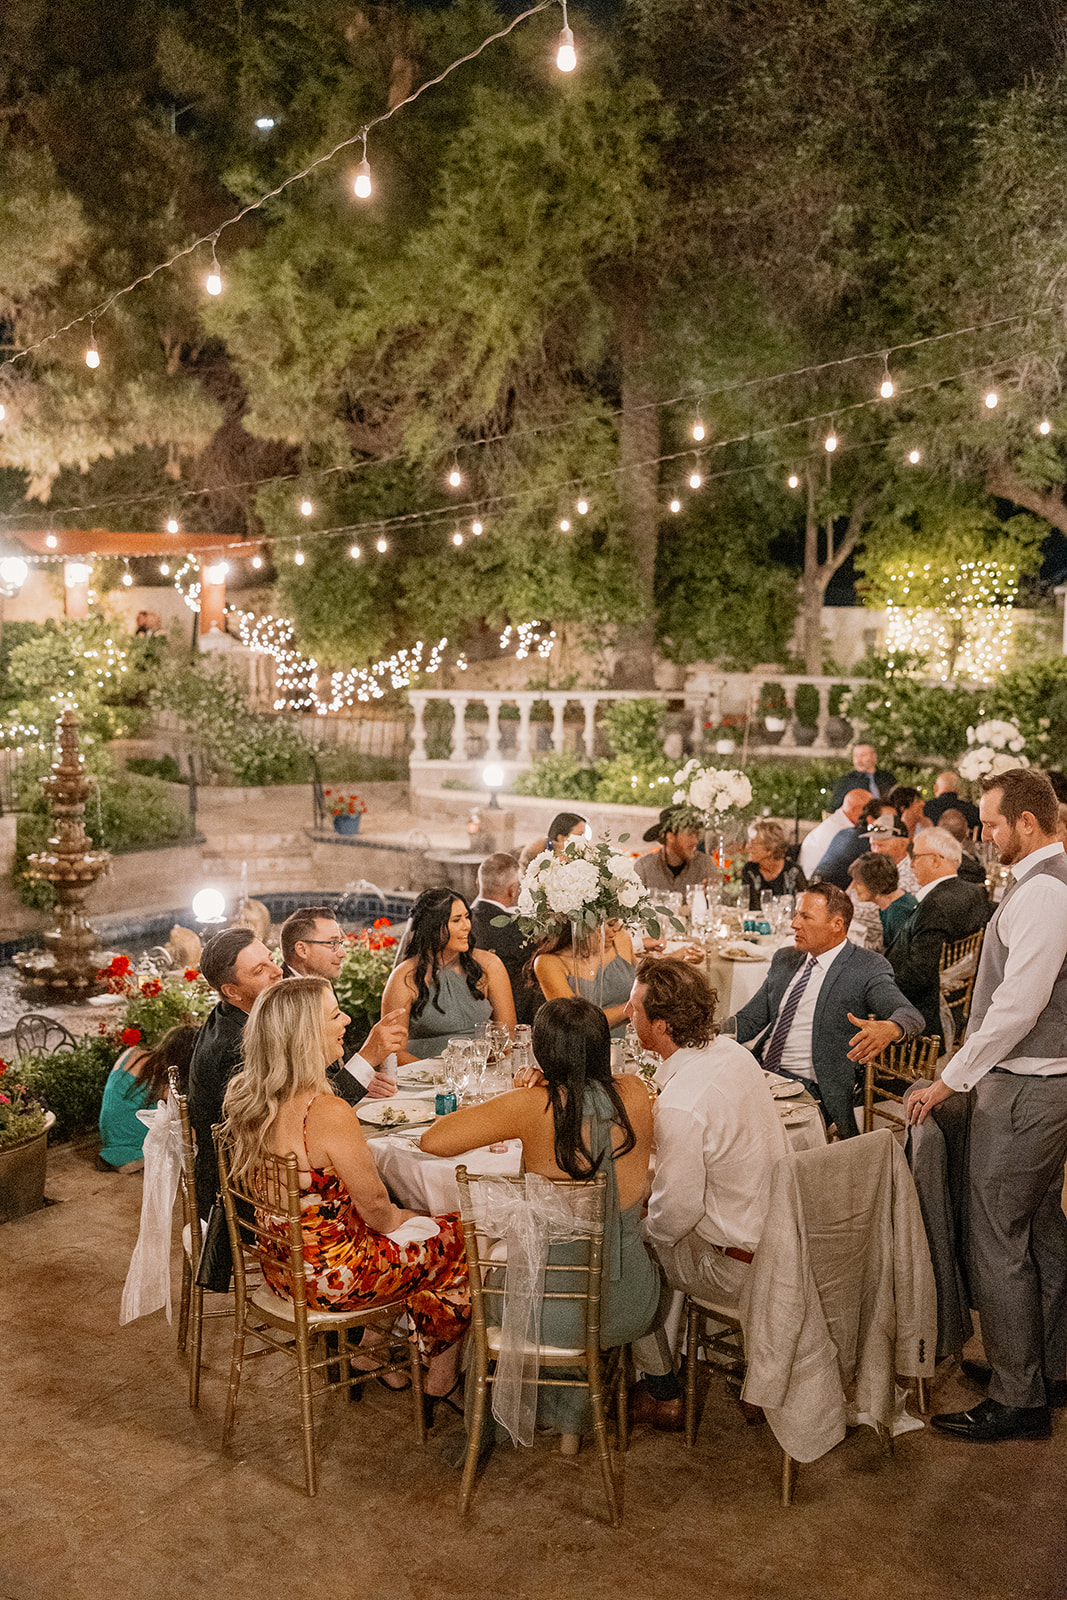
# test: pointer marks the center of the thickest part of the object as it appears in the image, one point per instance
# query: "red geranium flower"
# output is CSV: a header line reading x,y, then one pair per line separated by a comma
x,y
151,988
191,974
382,922
130,1036
120,964
3,1067
388,941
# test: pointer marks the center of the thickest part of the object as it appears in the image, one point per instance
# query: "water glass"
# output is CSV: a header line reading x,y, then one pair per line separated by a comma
x,y
497,1040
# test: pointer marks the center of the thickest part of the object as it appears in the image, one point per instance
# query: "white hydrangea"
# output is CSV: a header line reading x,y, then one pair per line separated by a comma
x,y
631,894
622,867
680,797
1000,735
983,761
571,885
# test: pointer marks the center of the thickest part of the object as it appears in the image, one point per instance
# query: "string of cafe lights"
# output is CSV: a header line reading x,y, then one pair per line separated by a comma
x,y
566,61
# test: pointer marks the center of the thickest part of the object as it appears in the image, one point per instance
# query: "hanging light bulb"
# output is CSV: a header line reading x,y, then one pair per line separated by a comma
x,y
582,507
992,400
382,546
914,457
164,569
257,562
457,539
698,430
355,552
127,578
564,525
363,185
3,413
566,59
793,481
306,508
92,355
51,541
455,477
476,528
830,444
1042,427
172,525
213,282
695,480
676,505
299,556
888,388
216,574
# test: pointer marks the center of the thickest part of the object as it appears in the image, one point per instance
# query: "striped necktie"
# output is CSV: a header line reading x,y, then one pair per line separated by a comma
x,y
772,1056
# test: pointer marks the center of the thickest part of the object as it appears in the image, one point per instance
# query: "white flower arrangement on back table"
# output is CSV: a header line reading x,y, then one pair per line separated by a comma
x,y
587,884
995,747
711,790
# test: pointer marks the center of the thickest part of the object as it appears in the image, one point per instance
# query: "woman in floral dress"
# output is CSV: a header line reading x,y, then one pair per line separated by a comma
x,y
281,1103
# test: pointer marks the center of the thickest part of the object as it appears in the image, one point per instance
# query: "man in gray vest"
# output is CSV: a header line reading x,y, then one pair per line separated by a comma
x,y
1015,1062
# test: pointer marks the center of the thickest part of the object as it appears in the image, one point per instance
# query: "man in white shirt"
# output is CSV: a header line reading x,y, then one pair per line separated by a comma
x,y
717,1136
813,846
1014,1062
313,946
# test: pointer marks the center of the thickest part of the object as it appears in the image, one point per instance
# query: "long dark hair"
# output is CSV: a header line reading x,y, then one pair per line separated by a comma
x,y
572,1045
175,1049
427,938
562,822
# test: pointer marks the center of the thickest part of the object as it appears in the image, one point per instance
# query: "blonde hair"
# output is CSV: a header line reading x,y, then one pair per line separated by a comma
x,y
771,834
285,1051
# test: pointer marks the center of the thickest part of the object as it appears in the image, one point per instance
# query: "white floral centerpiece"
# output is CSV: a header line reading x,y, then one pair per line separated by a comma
x,y
994,747
587,884
711,790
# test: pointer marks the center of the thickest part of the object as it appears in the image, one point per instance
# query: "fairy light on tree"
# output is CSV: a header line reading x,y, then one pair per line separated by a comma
x,y
992,400
676,505
793,481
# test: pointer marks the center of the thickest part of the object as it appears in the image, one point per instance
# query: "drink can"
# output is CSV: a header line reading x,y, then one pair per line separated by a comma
x,y
444,1103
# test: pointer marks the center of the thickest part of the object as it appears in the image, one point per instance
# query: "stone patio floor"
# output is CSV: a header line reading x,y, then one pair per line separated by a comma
x,y
111,1487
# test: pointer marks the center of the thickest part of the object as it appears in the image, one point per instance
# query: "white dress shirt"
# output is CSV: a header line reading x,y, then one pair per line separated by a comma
x,y
717,1137
362,1070
813,846
1033,925
796,1054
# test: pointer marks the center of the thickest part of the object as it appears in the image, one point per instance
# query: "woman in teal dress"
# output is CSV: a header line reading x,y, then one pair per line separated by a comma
x,y
447,990
604,975
594,1123
138,1079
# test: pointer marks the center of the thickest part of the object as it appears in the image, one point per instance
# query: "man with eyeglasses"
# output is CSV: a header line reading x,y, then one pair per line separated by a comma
x,y
948,909
313,946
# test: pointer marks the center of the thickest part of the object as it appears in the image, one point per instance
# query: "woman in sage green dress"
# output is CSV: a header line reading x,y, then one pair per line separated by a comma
x,y
594,1123
448,990
602,972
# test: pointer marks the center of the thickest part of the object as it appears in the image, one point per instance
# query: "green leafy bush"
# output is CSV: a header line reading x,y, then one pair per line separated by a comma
x,y
557,776
164,767
234,743
71,1082
361,982
633,730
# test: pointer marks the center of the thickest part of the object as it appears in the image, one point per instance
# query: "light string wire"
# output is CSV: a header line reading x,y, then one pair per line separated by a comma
x,y
211,238
454,509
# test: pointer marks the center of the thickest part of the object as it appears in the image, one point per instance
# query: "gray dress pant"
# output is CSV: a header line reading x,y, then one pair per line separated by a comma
x,y
1018,1231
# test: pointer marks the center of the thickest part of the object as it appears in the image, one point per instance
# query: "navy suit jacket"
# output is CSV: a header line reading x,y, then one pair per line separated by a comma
x,y
951,911
860,780
859,981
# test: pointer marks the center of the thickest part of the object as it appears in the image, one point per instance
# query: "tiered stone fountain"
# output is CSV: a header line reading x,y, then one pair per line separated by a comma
x,y
65,969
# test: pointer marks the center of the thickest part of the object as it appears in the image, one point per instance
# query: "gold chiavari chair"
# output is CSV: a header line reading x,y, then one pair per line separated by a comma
x,y
957,970
191,1311
602,1373
905,1060
263,1206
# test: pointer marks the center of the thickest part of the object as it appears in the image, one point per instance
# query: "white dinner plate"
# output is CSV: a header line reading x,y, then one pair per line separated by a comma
x,y
741,952
399,1111
786,1091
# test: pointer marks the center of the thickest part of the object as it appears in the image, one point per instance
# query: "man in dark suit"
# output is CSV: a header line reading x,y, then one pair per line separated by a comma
x,y
865,774
948,910
947,797
498,892
809,1020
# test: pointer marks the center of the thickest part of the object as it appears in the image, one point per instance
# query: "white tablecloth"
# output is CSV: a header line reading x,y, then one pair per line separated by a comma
x,y
427,1183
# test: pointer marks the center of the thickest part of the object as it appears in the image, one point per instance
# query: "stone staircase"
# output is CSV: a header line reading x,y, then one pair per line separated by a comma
x,y
275,861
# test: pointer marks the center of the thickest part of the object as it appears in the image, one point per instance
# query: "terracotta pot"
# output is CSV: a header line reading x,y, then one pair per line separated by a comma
x,y
22,1170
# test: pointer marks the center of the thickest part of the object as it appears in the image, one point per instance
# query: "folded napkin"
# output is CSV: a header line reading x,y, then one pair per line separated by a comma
x,y
414,1231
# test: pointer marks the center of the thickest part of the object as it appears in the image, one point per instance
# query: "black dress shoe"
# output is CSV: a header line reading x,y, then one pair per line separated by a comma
x,y
980,1372
668,1416
989,1422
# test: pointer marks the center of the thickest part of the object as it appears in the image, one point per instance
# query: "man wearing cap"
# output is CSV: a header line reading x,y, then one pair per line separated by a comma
x,y
889,837
680,864
866,774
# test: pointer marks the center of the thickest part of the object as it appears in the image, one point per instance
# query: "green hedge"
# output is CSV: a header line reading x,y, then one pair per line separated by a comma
x,y
71,1082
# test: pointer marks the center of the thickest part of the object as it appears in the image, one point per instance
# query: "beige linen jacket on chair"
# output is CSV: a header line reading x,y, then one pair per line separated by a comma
x,y
841,1295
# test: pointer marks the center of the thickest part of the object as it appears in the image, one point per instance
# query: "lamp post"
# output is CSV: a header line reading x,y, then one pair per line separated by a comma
x,y
493,779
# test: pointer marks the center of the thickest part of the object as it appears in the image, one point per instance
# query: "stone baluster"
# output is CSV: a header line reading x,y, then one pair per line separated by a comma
x,y
822,738
558,702
789,737
699,709
458,751
589,705
418,727
492,737
523,751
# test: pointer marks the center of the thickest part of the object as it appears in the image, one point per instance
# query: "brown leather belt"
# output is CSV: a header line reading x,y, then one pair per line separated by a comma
x,y
733,1252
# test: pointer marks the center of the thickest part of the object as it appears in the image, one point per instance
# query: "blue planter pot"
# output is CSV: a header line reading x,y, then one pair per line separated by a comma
x,y
347,824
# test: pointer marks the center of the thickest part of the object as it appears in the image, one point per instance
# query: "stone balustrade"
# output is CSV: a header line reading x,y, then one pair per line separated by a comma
x,y
714,714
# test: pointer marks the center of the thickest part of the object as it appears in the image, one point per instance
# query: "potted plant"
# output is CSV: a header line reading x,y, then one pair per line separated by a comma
x,y
24,1125
347,810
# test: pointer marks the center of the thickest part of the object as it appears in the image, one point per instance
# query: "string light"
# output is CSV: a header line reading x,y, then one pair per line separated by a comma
x,y
306,508
172,525
914,457
299,556
51,541
582,507
676,505
355,552
382,546
127,576
793,481
566,56
213,281
164,569
257,562
830,443
92,354
216,574
968,637
457,538
363,185
888,388
476,529
264,124
698,430
1044,427
564,525
695,480
455,477
992,400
